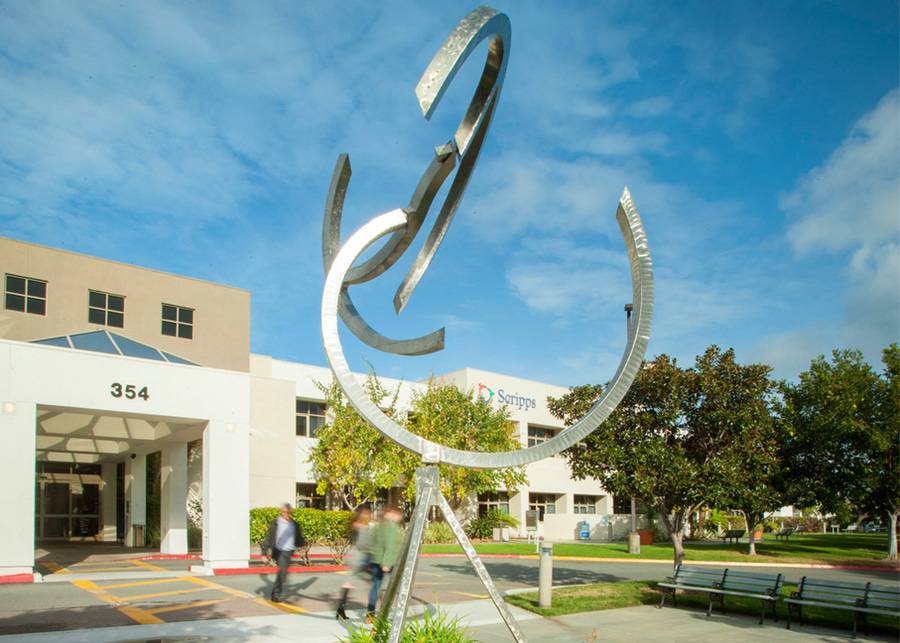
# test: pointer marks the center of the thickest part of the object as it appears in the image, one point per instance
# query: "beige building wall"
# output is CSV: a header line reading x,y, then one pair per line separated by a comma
x,y
272,442
221,334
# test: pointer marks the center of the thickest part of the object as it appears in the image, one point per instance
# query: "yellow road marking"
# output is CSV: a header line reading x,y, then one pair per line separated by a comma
x,y
156,581
141,563
185,606
284,607
139,615
100,563
56,569
173,592
136,614
470,594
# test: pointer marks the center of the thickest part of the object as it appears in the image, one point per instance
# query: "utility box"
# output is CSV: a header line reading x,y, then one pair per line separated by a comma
x,y
584,530
137,535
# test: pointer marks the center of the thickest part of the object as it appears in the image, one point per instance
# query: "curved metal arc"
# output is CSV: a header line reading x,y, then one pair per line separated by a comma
x,y
482,22
331,235
445,217
642,293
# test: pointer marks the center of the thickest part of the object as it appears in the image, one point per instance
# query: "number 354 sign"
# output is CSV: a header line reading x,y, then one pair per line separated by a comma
x,y
129,391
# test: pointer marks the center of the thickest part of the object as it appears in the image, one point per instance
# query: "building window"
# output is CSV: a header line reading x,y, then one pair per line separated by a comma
x,y
106,309
622,505
543,503
177,321
26,295
538,435
308,497
310,417
493,500
586,504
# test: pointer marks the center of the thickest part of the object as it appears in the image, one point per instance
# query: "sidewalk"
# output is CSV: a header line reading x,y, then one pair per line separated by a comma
x,y
644,623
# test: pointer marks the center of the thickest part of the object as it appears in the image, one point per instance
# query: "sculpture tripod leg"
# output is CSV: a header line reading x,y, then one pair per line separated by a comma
x,y
396,599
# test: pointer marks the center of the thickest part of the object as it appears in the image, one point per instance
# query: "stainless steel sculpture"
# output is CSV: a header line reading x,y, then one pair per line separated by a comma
x,y
403,225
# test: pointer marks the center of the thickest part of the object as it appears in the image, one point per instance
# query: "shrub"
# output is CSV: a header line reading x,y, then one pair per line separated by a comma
x,y
320,527
433,628
482,527
438,532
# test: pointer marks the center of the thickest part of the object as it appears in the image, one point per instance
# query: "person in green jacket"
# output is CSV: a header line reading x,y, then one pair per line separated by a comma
x,y
383,551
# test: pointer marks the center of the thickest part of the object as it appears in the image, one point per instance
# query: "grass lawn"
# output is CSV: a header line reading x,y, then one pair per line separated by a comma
x,y
808,548
601,596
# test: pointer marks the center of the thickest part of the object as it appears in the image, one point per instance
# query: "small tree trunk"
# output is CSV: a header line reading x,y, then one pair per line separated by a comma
x,y
751,520
678,545
892,536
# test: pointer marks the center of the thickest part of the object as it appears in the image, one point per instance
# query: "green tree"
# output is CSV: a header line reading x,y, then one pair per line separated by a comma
x,y
678,437
351,459
841,423
460,420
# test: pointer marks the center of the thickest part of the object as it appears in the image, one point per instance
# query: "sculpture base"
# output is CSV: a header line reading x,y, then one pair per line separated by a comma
x,y
396,597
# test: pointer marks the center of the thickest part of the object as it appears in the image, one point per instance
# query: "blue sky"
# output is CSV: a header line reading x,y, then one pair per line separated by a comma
x,y
759,139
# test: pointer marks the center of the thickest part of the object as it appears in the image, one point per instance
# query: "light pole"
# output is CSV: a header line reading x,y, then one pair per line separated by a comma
x,y
634,538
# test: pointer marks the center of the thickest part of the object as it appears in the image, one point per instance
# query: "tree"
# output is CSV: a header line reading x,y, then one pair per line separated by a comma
x,y
677,438
841,422
461,420
351,459
356,462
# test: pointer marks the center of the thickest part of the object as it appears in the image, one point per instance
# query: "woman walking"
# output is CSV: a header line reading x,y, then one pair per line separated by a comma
x,y
358,559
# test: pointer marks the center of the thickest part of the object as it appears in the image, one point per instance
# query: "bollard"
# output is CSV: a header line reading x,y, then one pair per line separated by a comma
x,y
545,576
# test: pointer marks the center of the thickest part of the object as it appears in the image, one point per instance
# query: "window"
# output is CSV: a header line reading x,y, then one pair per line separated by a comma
x,y
586,504
538,435
308,497
177,321
622,505
543,503
106,309
498,500
310,417
26,295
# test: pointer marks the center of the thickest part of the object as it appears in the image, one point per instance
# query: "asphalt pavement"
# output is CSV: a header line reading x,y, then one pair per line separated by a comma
x,y
164,593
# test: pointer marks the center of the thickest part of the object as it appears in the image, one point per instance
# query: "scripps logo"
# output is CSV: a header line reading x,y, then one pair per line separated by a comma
x,y
485,393
512,400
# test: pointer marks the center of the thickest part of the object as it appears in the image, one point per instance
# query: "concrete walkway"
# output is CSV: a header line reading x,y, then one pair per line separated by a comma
x,y
631,624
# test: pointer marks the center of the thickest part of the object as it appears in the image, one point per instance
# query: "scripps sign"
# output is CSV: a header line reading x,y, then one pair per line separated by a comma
x,y
512,400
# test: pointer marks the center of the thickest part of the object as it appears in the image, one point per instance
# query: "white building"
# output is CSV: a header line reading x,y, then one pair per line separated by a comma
x,y
103,363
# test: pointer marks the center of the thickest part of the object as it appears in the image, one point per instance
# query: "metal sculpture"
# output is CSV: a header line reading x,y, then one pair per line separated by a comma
x,y
403,225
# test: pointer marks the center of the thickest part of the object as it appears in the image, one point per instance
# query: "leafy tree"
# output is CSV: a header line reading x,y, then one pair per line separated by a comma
x,y
356,462
352,459
679,436
461,420
841,423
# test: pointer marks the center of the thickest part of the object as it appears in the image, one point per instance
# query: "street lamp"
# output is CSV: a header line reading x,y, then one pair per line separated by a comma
x,y
634,538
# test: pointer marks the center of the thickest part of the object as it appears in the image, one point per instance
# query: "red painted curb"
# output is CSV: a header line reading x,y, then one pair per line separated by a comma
x,y
171,557
17,578
294,569
297,556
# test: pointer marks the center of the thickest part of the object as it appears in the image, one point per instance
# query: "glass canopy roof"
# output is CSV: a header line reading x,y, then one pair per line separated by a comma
x,y
103,341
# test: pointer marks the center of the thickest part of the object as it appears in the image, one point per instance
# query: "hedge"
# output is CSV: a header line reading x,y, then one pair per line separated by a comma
x,y
320,527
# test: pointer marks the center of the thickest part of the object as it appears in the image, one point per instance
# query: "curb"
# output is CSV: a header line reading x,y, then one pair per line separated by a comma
x,y
658,561
16,578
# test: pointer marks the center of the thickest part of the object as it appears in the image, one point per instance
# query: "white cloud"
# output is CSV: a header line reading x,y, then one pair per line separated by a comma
x,y
649,107
851,204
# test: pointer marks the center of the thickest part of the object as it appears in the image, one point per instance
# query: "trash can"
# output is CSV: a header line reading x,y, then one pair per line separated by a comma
x,y
584,530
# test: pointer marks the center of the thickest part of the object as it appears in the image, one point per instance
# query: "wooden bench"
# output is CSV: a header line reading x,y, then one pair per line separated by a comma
x,y
725,582
733,535
785,533
860,598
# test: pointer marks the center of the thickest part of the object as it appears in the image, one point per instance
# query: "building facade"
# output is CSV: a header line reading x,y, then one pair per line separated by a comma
x,y
104,363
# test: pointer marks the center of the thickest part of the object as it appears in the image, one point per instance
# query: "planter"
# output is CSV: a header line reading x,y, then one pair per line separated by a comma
x,y
646,536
